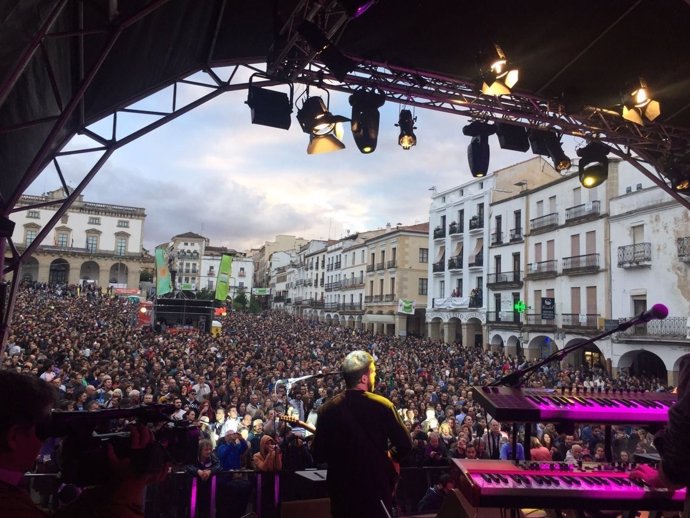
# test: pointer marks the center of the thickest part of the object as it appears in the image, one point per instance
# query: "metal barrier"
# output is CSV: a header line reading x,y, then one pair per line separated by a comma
x,y
180,494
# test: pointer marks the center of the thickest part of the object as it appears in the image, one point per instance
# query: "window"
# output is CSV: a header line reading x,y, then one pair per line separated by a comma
x,y
210,284
33,214
442,289
120,246
62,239
30,236
123,223
423,255
423,286
92,243
93,220
64,219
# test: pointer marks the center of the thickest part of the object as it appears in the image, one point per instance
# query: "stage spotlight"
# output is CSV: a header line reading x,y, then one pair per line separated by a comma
x,y
548,143
319,123
638,105
356,8
478,152
339,64
406,122
512,137
594,165
678,174
365,119
498,78
269,107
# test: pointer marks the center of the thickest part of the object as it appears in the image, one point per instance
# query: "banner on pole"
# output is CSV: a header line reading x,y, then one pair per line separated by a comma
x,y
406,306
163,282
223,280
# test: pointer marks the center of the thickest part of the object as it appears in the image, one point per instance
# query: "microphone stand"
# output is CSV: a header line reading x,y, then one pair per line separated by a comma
x,y
516,378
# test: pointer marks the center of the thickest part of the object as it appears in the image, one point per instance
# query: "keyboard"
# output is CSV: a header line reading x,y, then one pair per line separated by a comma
x,y
500,483
609,407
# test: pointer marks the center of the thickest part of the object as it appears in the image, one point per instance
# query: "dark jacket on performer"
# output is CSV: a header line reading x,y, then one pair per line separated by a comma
x,y
353,433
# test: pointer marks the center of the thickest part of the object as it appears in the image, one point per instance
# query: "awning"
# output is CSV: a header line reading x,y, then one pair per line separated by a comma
x,y
440,254
478,247
458,249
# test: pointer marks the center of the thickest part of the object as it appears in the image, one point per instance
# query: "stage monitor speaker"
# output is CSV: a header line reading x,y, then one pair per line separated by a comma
x,y
317,508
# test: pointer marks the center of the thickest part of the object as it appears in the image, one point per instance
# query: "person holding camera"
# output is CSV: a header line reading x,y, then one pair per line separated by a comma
x,y
24,421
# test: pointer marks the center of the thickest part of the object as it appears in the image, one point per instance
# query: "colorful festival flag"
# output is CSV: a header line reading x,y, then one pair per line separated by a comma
x,y
163,282
406,306
223,280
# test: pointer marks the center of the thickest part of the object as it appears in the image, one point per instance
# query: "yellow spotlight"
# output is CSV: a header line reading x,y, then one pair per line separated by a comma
x,y
500,78
639,105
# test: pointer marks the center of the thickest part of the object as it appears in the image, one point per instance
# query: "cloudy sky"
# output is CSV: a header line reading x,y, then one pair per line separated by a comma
x,y
214,173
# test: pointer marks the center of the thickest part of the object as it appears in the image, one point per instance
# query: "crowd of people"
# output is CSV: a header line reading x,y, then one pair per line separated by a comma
x,y
232,388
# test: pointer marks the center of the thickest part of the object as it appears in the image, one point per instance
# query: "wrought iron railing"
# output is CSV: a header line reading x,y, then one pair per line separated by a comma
x,y
580,320
505,317
392,263
583,210
455,228
477,260
632,255
504,277
439,266
497,238
580,262
669,327
544,221
535,319
476,222
516,234
455,262
439,233
683,244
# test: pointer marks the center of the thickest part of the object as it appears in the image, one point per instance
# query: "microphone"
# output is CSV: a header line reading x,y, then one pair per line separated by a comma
x,y
656,312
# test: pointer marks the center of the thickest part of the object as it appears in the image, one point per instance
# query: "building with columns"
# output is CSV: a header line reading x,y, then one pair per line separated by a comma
x,y
92,242
463,227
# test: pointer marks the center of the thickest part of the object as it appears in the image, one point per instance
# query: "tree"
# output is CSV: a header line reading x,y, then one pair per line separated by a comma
x,y
240,301
254,305
146,276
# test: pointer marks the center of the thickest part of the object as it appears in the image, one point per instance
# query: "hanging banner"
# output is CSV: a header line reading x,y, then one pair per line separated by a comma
x,y
261,291
406,306
223,280
163,283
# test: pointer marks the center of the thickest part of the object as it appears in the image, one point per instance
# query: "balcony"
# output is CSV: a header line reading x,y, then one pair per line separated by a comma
x,y
393,263
370,268
635,256
380,266
535,321
497,238
583,211
332,306
389,297
320,283
507,318
373,299
581,264
578,321
504,280
476,298
318,304
477,222
438,267
683,244
337,265
544,223
329,267
542,269
455,229
439,233
455,262
668,328
477,260
353,306
278,298
516,234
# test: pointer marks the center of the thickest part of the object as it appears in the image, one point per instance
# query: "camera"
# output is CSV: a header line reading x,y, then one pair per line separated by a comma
x,y
82,456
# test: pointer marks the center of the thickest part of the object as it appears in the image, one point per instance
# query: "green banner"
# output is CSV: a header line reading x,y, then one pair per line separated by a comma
x,y
163,283
223,280
406,306
262,291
